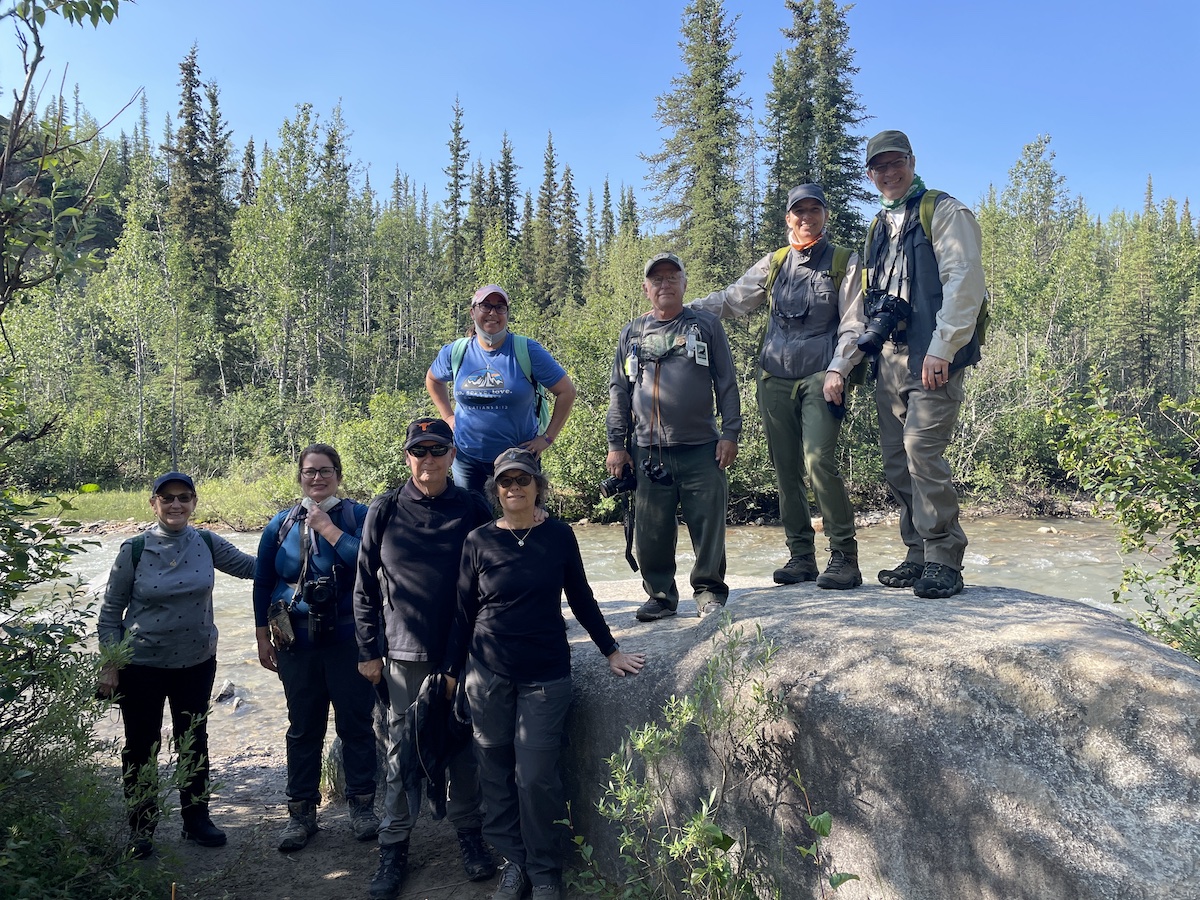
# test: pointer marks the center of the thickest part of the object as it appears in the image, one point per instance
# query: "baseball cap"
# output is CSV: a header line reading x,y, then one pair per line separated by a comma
x,y
887,141
516,458
427,429
664,257
804,192
173,476
486,291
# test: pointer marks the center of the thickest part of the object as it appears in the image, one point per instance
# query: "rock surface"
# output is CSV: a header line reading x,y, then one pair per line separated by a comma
x,y
997,745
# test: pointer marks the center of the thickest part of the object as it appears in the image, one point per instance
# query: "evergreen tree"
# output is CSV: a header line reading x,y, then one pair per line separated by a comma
x,y
545,234
248,179
508,188
456,187
607,228
695,173
811,109
628,218
569,274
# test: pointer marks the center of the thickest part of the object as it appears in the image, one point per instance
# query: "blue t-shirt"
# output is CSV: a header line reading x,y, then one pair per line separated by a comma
x,y
494,403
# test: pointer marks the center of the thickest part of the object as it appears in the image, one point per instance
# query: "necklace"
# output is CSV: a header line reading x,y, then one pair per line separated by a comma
x,y
520,537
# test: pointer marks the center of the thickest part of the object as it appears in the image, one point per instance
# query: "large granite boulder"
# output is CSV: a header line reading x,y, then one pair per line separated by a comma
x,y
994,746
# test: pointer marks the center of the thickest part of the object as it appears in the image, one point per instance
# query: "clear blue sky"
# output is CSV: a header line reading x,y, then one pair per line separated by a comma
x,y
971,83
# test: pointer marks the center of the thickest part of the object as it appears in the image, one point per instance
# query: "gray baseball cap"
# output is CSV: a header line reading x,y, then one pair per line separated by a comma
x,y
664,257
805,192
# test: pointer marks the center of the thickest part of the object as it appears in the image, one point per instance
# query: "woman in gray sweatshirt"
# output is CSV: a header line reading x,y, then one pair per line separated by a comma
x,y
159,600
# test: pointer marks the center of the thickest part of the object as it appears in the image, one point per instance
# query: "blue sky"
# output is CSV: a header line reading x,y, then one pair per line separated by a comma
x,y
971,83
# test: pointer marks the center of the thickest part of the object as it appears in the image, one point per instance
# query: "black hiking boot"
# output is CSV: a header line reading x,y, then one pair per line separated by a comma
x,y
938,582
842,573
199,828
476,858
904,575
393,865
798,569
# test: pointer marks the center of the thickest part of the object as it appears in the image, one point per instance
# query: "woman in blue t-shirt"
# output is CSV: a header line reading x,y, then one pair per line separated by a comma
x,y
494,401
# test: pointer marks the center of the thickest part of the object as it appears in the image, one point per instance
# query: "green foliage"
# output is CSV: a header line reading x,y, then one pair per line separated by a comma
x,y
1151,478
672,840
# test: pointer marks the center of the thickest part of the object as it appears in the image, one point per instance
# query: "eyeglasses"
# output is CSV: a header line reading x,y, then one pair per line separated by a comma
x,y
185,497
507,481
438,450
324,472
500,309
894,166
661,280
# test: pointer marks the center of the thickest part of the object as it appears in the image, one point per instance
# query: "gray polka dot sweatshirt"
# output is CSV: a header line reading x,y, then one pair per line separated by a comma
x,y
166,606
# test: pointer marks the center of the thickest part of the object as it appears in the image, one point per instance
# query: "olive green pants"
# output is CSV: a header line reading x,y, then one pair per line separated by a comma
x,y
802,438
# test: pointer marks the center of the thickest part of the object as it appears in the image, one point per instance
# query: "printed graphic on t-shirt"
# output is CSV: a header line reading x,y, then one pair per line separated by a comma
x,y
483,387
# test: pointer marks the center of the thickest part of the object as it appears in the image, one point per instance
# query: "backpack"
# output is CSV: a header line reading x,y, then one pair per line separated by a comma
x,y
138,545
841,262
929,200
521,349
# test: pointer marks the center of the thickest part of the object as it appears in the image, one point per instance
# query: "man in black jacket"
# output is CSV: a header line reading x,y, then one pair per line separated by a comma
x,y
406,587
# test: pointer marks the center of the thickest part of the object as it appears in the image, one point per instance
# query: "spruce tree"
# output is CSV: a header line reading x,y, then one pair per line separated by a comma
x,y
812,109
456,187
695,174
568,287
248,178
608,229
545,233
509,189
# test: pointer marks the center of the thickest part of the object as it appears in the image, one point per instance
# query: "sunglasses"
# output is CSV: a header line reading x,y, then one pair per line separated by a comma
x,y
507,481
185,497
419,452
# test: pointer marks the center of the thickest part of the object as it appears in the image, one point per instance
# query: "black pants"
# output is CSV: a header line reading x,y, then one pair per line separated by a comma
x,y
143,690
315,678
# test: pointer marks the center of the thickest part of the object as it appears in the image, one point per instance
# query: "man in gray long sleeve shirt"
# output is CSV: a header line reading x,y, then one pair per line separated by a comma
x,y
671,365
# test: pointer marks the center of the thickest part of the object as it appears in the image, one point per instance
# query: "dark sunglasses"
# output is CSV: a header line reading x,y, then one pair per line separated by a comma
x,y
419,452
185,497
507,481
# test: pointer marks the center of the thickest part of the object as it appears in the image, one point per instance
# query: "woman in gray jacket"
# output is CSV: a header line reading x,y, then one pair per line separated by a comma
x,y
159,600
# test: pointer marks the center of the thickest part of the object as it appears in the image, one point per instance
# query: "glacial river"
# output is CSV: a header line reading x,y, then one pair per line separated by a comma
x,y
1072,558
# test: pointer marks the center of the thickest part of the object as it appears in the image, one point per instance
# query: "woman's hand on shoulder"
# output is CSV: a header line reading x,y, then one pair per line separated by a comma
x,y
621,663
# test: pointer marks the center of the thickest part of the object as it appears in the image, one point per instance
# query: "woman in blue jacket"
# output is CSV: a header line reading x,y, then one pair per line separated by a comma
x,y
306,561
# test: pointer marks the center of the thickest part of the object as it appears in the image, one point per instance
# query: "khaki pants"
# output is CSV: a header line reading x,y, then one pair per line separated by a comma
x,y
915,427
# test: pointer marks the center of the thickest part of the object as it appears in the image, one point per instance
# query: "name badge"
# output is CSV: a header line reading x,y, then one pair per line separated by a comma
x,y
701,353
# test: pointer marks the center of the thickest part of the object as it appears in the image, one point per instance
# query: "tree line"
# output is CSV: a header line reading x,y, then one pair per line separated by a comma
x,y
247,302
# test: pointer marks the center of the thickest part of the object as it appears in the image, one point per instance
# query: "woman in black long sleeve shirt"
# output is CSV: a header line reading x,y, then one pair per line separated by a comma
x,y
518,679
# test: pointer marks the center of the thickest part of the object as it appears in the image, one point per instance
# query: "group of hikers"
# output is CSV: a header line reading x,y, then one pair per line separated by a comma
x,y
444,594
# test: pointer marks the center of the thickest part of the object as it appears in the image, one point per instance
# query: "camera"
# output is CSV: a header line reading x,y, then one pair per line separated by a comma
x,y
321,597
618,484
884,312
656,472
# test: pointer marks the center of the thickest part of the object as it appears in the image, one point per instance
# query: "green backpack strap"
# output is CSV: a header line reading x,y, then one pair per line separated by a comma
x,y
542,409
841,262
137,545
929,202
457,351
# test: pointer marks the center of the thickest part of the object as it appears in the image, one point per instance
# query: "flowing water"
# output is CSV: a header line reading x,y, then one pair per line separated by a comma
x,y
1072,558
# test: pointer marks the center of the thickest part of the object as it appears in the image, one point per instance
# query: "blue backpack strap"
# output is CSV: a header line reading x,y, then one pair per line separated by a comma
x,y
542,408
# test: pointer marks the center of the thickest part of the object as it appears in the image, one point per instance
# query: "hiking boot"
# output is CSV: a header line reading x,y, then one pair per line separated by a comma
x,y
651,611
546,892
904,575
798,569
363,821
393,864
302,824
708,604
514,884
198,827
842,573
477,860
938,581
141,845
